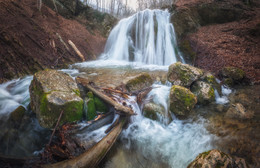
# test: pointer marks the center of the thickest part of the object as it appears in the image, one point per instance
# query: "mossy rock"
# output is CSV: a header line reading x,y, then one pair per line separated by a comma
x,y
17,115
51,92
183,74
188,52
228,82
204,92
210,79
182,101
155,111
139,82
217,159
234,73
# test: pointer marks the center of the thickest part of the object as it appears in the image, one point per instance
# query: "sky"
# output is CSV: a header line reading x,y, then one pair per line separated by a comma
x,y
132,4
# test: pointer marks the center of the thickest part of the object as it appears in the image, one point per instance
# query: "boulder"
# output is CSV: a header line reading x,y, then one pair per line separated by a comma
x,y
138,82
183,74
182,101
204,92
238,111
154,111
16,116
217,159
51,92
233,73
210,79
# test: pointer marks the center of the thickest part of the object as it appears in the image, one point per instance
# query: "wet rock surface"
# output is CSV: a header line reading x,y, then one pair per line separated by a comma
x,y
183,74
51,93
204,92
182,101
217,159
138,82
153,111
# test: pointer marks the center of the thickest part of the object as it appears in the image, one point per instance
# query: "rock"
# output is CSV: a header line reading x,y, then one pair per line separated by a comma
x,y
228,82
234,73
154,111
51,92
217,159
204,92
183,74
209,78
17,114
238,111
91,108
182,101
16,117
138,82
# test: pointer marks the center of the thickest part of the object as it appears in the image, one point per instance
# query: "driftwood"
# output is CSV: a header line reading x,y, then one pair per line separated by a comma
x,y
116,105
94,155
76,50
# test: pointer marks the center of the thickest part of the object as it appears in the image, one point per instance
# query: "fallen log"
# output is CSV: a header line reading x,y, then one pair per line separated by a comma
x,y
94,155
116,105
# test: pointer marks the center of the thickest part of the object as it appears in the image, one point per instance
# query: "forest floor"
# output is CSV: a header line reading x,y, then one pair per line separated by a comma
x,y
235,43
31,40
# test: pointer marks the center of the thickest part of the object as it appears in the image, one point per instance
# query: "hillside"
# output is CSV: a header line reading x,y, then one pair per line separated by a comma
x,y
31,40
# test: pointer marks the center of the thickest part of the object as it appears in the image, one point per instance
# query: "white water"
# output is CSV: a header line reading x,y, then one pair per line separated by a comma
x,y
146,37
13,94
176,144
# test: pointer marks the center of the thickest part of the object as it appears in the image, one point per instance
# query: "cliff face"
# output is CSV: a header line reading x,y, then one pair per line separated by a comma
x,y
31,40
213,34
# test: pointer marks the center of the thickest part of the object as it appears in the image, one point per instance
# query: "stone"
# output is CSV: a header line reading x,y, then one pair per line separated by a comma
x,y
204,92
234,73
51,92
211,79
238,111
138,82
183,74
217,159
17,114
100,105
153,111
182,101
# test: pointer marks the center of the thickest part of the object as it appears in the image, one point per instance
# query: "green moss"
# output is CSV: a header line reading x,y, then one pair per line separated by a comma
x,y
138,82
100,105
205,154
90,95
91,108
77,92
181,100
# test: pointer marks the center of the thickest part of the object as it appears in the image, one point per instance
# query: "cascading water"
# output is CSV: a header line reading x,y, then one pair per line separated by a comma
x,y
146,37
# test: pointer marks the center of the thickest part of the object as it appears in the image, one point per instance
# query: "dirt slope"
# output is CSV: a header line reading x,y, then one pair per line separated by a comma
x,y
31,40
215,34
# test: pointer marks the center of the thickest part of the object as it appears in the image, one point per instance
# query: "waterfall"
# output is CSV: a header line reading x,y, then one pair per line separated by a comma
x,y
147,37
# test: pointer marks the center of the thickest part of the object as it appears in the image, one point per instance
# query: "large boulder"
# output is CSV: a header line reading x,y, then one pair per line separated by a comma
x,y
156,112
203,91
183,74
182,101
217,159
138,82
51,92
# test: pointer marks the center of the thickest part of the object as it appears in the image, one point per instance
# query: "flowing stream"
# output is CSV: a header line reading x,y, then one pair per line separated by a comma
x,y
143,42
